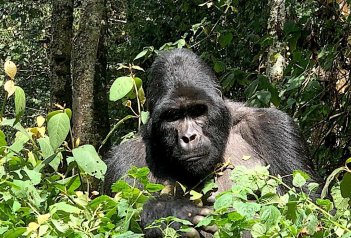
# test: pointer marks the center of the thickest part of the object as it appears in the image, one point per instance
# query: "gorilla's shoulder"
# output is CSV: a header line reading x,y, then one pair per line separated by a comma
x,y
126,151
122,157
266,117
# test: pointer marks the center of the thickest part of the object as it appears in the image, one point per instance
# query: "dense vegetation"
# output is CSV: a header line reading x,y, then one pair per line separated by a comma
x,y
295,56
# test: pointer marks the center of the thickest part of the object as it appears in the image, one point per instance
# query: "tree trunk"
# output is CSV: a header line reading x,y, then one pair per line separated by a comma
x,y
90,114
61,46
276,53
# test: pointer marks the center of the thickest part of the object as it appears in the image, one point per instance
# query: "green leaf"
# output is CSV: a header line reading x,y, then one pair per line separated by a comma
x,y
219,66
58,129
120,186
2,139
63,206
246,209
60,225
312,187
302,173
340,202
298,180
264,96
102,201
69,184
153,187
20,140
139,173
195,195
48,151
144,116
295,83
141,54
258,230
345,186
209,185
33,175
292,208
89,161
138,83
20,102
225,39
141,95
325,203
206,221
223,201
53,113
312,223
270,215
121,87
14,233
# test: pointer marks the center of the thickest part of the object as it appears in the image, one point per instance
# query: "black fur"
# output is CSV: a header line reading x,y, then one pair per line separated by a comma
x,y
224,129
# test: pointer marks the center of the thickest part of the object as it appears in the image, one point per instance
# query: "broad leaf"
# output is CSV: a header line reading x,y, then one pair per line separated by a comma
x,y
53,113
144,116
298,180
20,102
89,161
270,215
345,186
58,129
121,87
48,151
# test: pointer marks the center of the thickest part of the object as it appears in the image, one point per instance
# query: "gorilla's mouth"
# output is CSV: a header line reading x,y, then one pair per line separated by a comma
x,y
194,157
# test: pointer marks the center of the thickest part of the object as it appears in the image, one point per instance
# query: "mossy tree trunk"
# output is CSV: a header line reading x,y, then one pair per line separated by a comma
x,y
90,112
60,53
276,59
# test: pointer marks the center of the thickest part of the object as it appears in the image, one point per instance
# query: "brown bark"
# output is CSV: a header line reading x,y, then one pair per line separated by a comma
x,y
61,46
90,114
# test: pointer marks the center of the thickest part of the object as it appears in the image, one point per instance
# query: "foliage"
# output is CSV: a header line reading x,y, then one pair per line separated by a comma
x,y
126,89
24,38
291,214
36,198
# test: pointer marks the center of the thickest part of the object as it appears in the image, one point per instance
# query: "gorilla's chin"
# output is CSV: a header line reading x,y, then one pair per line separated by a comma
x,y
200,166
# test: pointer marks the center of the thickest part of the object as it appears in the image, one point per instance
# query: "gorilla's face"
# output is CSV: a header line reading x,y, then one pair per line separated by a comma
x,y
189,131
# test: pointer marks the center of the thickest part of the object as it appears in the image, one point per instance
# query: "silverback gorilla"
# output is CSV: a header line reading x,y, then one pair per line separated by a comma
x,y
192,128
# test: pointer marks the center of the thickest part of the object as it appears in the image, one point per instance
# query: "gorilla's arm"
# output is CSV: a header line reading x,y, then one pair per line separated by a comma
x,y
271,138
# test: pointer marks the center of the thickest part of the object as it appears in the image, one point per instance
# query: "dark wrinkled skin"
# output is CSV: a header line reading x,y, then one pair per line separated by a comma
x,y
192,128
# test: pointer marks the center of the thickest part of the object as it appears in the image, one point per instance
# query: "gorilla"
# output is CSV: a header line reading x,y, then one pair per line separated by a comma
x,y
193,128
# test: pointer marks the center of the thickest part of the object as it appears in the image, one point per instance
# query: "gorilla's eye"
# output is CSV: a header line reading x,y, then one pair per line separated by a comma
x,y
172,115
197,110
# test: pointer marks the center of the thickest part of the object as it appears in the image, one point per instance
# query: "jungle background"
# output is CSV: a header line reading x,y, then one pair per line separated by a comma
x,y
291,54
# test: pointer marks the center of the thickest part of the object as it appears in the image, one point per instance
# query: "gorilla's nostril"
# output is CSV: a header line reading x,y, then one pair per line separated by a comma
x,y
185,139
192,137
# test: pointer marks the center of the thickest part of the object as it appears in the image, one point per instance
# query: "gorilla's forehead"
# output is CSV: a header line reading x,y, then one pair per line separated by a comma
x,y
184,96
188,92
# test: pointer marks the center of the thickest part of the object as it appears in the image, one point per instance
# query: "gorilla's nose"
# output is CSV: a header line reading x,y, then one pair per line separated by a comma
x,y
188,142
188,139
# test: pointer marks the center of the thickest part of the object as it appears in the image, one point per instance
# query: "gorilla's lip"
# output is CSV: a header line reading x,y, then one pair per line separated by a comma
x,y
194,157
